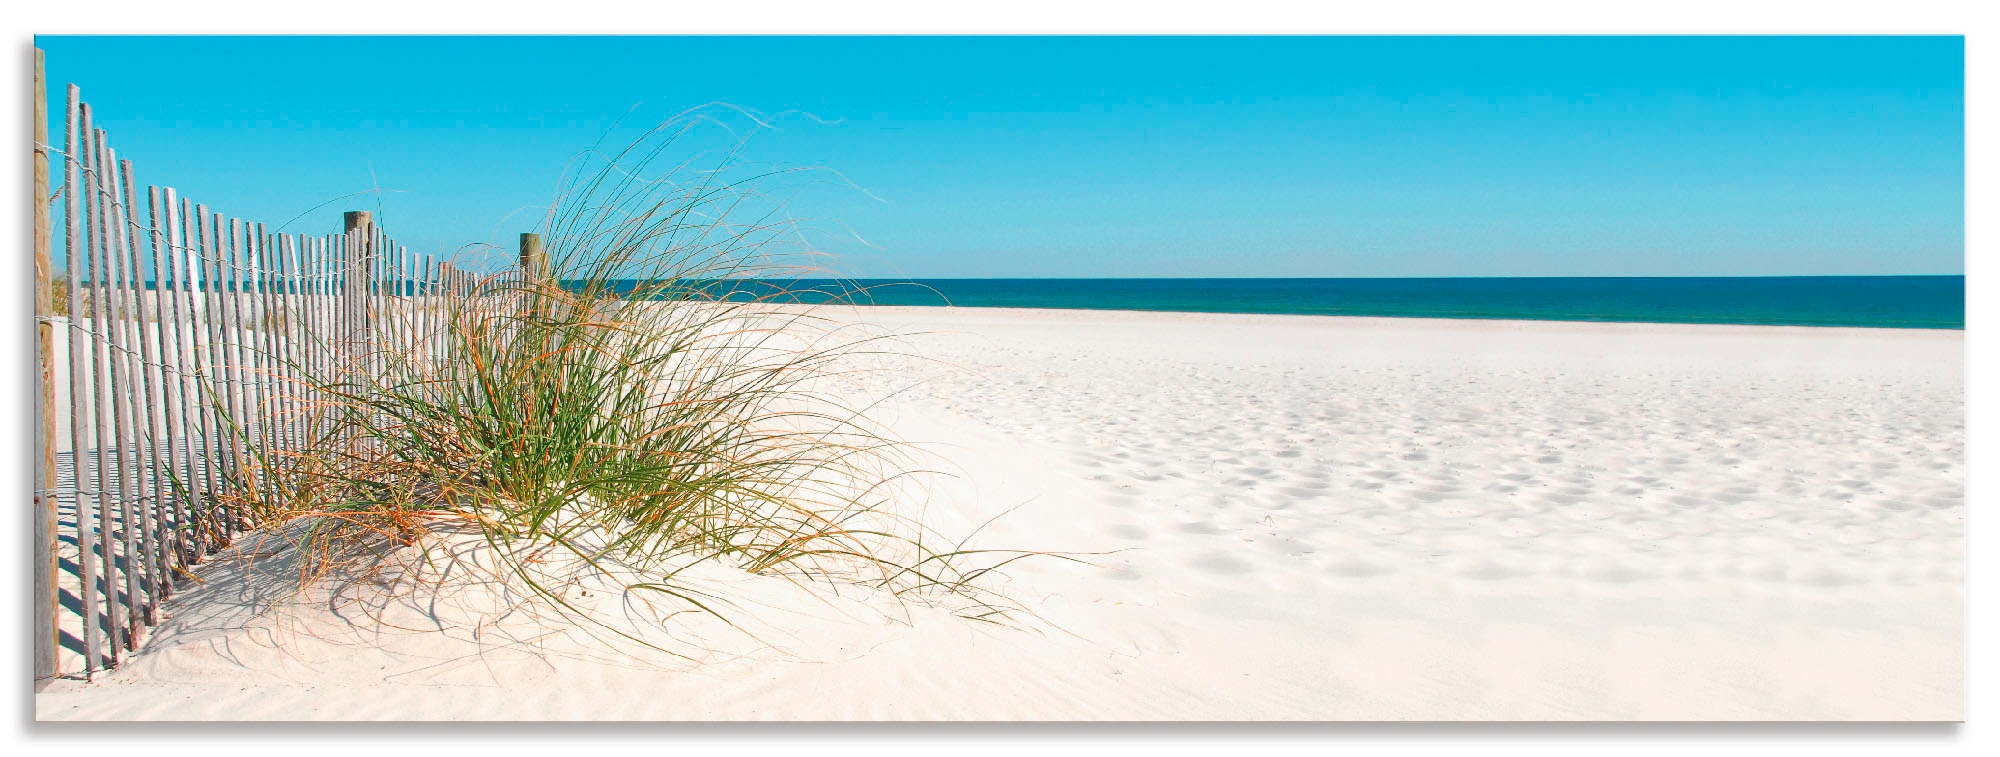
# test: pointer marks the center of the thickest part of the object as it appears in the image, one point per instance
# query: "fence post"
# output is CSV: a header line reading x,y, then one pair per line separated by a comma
x,y
355,279
46,639
534,264
354,270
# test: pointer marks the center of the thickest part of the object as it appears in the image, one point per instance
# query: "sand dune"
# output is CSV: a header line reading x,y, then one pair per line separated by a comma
x,y
1291,518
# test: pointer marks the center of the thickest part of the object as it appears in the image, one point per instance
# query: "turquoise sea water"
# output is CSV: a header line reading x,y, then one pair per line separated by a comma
x,y
1927,302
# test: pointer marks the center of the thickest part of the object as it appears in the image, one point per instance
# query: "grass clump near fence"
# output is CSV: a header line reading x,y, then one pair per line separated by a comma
x,y
624,410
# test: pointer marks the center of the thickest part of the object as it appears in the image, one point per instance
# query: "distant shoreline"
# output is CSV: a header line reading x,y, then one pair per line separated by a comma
x,y
1896,302
1925,302
1444,318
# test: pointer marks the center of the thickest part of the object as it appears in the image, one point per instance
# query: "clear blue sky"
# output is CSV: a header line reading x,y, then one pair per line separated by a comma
x,y
1080,156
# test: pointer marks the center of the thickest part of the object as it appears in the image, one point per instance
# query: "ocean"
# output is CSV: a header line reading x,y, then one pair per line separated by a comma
x,y
1923,302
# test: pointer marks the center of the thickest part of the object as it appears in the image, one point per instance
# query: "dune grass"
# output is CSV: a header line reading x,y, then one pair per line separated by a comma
x,y
639,404
59,297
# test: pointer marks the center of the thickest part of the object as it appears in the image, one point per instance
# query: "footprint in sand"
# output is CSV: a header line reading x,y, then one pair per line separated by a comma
x,y
1610,572
1489,571
1825,578
1221,564
1351,568
1123,573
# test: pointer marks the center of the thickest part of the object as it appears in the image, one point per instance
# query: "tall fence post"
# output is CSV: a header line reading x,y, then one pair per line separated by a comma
x,y
534,264
355,268
46,633
353,332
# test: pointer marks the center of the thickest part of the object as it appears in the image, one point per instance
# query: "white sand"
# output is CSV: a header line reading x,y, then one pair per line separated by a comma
x,y
1321,518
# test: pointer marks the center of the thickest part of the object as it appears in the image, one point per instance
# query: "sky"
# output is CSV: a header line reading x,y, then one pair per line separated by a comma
x,y
931,157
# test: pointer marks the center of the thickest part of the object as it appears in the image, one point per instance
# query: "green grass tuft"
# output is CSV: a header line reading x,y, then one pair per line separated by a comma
x,y
651,426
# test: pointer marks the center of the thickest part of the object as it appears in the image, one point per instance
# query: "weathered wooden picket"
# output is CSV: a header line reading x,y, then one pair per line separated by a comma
x,y
194,349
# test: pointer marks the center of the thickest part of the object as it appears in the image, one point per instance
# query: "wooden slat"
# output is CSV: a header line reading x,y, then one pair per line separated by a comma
x,y
175,324
317,284
232,356
118,356
80,404
399,312
257,368
287,261
271,321
280,403
301,333
213,378
229,232
166,497
318,322
372,317
100,389
201,447
426,314
160,373
140,402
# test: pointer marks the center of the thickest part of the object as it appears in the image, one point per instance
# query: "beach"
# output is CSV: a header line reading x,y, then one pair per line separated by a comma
x,y
1270,517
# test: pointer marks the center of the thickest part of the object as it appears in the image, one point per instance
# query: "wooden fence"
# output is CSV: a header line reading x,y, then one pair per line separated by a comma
x,y
181,350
